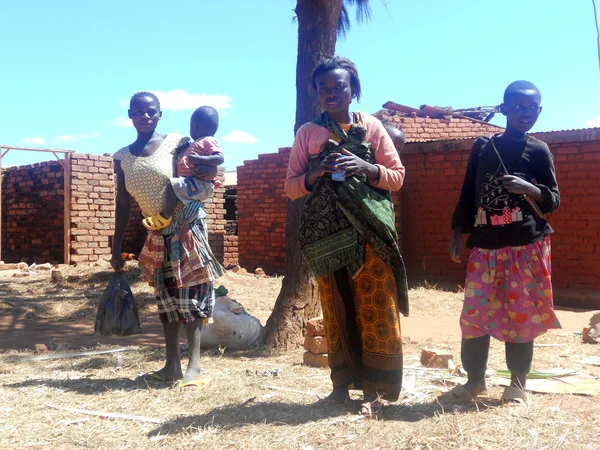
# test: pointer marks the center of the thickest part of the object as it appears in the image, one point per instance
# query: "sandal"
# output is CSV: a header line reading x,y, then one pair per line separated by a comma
x,y
513,394
371,410
156,222
458,394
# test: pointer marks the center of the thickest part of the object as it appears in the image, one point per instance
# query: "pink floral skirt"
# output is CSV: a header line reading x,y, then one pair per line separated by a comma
x,y
508,293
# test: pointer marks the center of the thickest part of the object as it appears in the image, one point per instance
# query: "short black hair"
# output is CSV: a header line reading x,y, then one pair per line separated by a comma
x,y
338,62
520,86
143,94
208,118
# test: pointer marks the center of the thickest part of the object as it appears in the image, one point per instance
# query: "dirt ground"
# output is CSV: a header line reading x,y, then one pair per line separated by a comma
x,y
259,399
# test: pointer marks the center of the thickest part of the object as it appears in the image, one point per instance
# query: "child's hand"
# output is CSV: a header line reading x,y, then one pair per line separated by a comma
x,y
517,185
455,247
354,165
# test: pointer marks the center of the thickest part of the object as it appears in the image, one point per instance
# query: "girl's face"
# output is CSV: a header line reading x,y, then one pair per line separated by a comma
x,y
145,114
335,91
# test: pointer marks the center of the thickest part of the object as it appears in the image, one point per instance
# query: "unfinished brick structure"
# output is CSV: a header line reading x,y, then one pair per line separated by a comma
x,y
435,172
33,216
32,213
262,204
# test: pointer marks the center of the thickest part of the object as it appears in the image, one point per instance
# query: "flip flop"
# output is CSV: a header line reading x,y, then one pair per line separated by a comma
x,y
371,410
200,383
458,394
156,222
513,394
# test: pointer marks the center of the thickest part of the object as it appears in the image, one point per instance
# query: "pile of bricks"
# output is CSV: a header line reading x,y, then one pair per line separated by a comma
x,y
419,129
315,344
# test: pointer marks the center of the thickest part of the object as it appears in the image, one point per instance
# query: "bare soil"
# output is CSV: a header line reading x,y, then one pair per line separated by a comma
x,y
259,399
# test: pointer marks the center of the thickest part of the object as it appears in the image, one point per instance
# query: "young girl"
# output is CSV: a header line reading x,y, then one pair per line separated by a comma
x,y
173,257
347,164
510,183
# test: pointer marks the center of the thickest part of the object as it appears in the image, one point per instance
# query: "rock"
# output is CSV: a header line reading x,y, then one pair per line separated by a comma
x,y
260,272
595,319
312,360
315,327
41,348
56,275
73,278
101,263
436,358
591,335
233,267
45,266
316,344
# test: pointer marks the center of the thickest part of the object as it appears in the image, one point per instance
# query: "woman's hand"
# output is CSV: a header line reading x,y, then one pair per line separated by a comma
x,y
328,165
354,165
117,263
455,247
517,185
204,171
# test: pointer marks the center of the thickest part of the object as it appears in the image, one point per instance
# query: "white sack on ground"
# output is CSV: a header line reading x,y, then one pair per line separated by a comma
x,y
233,327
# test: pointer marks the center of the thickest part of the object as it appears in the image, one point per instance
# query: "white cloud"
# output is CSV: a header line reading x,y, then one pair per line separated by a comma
x,y
121,121
595,122
179,99
34,140
77,137
240,137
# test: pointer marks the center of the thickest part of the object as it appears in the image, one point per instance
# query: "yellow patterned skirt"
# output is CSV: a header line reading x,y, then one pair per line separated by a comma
x,y
362,321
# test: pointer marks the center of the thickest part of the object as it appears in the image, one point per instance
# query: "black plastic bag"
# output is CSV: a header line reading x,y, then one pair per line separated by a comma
x,y
117,312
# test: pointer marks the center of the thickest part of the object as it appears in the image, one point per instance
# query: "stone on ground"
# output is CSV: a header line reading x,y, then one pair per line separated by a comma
x,y
436,358
312,360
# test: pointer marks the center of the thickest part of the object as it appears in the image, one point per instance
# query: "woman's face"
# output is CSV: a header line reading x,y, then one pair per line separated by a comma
x,y
335,91
145,114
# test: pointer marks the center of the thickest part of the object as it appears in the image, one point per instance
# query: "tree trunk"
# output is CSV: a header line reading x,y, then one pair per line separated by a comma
x,y
298,300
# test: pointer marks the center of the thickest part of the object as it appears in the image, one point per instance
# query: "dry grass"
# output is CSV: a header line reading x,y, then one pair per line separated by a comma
x,y
239,411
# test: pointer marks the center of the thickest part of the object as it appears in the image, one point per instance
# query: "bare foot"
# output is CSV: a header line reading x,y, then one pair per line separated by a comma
x,y
166,374
476,388
338,396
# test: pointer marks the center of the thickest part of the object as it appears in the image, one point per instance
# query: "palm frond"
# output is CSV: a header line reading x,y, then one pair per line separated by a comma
x,y
363,9
343,22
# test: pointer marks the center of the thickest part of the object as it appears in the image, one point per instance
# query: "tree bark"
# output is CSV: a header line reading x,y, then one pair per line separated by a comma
x,y
298,300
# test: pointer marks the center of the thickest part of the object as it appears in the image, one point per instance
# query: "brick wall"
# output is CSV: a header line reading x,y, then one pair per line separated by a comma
x,y
92,207
427,129
262,207
435,172
33,213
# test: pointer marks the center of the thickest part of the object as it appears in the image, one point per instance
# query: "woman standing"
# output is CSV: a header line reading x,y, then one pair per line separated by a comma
x,y
347,164
173,259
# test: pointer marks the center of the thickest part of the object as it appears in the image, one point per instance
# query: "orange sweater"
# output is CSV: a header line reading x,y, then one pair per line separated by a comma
x,y
309,142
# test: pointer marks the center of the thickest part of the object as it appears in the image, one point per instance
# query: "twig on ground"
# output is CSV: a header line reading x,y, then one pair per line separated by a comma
x,y
277,388
78,354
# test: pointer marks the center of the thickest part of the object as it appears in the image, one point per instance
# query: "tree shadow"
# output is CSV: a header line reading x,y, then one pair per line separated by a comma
x,y
93,386
237,415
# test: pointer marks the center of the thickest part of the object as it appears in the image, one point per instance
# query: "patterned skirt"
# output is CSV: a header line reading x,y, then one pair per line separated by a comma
x,y
184,304
362,322
508,293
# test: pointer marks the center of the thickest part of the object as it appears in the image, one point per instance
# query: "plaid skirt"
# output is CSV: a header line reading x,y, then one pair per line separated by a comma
x,y
184,304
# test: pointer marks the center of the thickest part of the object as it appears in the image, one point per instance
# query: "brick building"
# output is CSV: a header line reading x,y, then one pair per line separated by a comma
x,y
262,204
435,170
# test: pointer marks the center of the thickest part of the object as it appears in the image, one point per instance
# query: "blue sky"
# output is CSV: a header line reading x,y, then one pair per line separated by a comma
x,y
70,66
